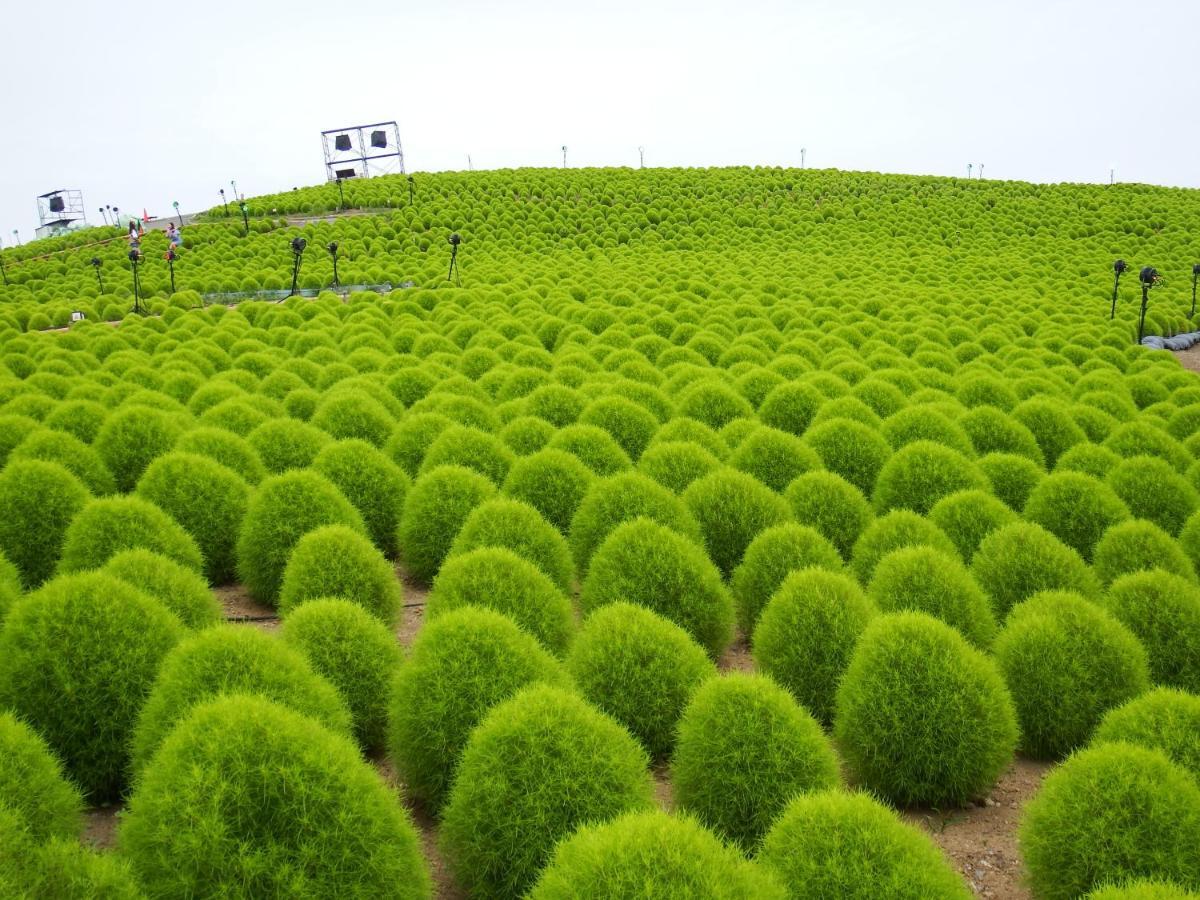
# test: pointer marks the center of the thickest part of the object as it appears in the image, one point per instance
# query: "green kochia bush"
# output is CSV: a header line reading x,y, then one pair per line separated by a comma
x,y
61,869
594,447
130,439
230,659
732,508
1109,813
1143,889
207,499
71,453
852,450
517,526
226,448
920,474
249,797
921,715
437,506
1138,545
768,560
551,481
807,632
831,505
539,765
39,500
497,578
968,517
1075,508
33,785
1066,661
374,484
471,448
1166,719
928,581
100,642
834,844
178,588
462,664
1013,477
283,509
745,748
653,566
639,668
1163,611
1154,490
284,444
1016,561
356,653
676,464
899,528
105,527
774,457
650,854
338,561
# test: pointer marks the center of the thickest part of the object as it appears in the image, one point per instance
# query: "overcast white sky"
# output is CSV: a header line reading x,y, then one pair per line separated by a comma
x,y
143,103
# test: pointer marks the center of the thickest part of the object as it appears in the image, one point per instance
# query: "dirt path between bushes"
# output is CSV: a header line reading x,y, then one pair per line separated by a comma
x,y
1189,358
980,840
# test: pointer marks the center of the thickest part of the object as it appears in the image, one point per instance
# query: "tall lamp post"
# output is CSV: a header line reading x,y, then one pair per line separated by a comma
x,y
332,247
410,190
177,214
298,245
1195,278
99,280
221,191
1149,278
245,217
1119,268
135,257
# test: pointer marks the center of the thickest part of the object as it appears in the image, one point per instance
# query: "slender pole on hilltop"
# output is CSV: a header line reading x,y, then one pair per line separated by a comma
x,y
564,155
341,196
221,191
171,257
968,171
803,150
1195,278
1119,269
641,157
134,258
245,218
981,171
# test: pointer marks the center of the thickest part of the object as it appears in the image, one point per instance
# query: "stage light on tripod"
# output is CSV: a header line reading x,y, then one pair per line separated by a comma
x,y
342,143
379,139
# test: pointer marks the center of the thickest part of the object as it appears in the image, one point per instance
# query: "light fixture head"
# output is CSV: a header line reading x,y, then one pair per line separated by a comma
x,y
298,245
332,247
96,261
1196,270
175,203
135,256
455,239
1148,275
171,255
1120,266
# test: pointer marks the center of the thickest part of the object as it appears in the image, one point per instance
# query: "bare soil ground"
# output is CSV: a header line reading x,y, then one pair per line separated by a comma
x,y
1190,358
980,840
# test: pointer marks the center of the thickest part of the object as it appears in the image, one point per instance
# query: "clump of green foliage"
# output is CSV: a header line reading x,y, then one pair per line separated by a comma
x,y
919,474
284,444
926,580
1111,812
731,508
339,561
899,528
517,526
540,764
1021,559
178,588
108,525
374,484
436,507
1075,508
132,437
771,556
1137,545
551,481
40,500
1164,718
968,517
1163,611
922,716
1143,889
198,822
831,505
33,784
462,664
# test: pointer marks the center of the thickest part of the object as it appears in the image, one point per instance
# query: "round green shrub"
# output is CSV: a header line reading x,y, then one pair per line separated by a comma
x,y
835,844
629,423
715,404
1111,812
373,484
622,498
774,457
282,510
497,578
178,588
69,452
921,473
850,449
771,556
1142,889
1019,560
1137,545
356,653
249,797
1013,478
131,438
353,413
105,527
926,580
745,748
831,505
526,435
33,783
551,481
682,430
225,660
594,447
517,526
650,564
1142,438
1090,459
899,528
1163,611
922,716
922,422
650,854
1165,719
338,561
1075,508
10,585
1066,662
40,500
676,464
732,508
790,407
807,632
226,448
100,642
207,499
1052,426
284,444
639,668
539,765
1154,490
458,445
992,431
436,507
968,517
60,869
411,439
462,664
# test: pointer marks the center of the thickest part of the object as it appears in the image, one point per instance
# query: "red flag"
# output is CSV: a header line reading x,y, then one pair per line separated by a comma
x,y
145,215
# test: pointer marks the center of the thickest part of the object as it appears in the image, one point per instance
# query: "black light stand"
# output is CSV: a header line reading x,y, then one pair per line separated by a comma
x,y
1195,277
99,280
177,215
564,149
135,257
298,245
245,218
3,271
341,196
455,240
221,191
1149,278
332,247
410,190
104,215
171,257
116,214
641,157
1119,268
